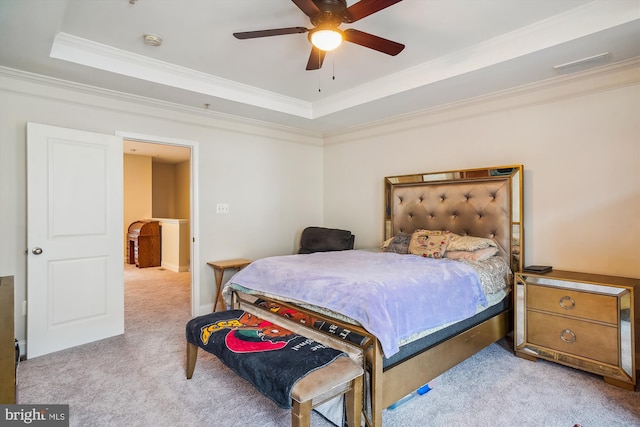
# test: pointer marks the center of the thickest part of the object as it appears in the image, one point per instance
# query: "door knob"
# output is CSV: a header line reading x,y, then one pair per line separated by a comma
x,y
36,251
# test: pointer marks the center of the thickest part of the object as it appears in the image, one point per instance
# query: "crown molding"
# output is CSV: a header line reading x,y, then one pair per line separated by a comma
x,y
44,87
606,77
81,51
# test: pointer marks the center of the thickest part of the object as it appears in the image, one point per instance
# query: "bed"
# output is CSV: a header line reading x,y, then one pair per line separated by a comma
x,y
482,204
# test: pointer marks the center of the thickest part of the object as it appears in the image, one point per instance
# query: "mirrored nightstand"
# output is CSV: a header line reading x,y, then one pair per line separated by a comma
x,y
585,321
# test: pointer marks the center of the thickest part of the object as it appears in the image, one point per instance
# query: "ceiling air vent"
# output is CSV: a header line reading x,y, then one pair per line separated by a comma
x,y
582,64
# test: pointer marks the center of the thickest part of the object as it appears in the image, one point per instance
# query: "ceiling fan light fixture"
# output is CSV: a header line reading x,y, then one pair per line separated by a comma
x,y
326,38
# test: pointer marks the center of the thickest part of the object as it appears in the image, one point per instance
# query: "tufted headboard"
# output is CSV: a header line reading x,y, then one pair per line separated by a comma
x,y
477,202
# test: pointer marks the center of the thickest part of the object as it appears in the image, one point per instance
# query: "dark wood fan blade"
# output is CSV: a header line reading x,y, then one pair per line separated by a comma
x,y
315,58
307,6
269,33
367,7
373,42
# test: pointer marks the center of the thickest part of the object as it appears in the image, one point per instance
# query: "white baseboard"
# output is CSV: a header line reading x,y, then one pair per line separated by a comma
x,y
176,268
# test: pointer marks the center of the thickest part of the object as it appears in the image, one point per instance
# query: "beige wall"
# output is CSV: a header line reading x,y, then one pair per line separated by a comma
x,y
137,196
175,244
577,137
164,190
171,190
183,195
171,199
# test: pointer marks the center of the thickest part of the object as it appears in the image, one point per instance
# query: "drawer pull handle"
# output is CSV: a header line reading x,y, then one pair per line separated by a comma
x,y
568,336
567,303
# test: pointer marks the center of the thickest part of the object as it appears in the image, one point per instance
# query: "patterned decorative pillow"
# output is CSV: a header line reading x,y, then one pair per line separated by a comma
x,y
398,244
430,244
477,255
469,243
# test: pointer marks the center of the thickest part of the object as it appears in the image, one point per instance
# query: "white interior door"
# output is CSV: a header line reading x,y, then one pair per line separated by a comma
x,y
75,267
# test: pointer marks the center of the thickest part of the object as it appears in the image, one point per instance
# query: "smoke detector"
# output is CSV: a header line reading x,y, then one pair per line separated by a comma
x,y
152,39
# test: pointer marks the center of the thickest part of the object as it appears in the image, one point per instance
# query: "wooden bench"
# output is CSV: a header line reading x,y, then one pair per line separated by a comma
x,y
342,376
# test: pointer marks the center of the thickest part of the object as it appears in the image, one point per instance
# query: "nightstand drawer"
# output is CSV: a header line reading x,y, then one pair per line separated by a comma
x,y
585,305
586,339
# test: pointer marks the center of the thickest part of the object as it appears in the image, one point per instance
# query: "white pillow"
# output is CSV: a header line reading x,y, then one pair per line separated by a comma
x,y
477,255
468,243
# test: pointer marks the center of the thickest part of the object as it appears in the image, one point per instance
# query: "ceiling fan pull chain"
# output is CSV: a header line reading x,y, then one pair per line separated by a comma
x,y
319,80
333,67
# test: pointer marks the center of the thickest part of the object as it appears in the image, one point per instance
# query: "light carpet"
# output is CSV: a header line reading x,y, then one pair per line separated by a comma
x,y
138,379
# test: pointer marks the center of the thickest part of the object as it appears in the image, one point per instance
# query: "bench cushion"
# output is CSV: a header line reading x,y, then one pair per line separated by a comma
x,y
269,356
326,380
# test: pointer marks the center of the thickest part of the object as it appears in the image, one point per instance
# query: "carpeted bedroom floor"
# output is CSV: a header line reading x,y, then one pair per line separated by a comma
x,y
138,379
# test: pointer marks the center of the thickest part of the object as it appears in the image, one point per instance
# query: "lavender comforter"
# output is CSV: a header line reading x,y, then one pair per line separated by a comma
x,y
392,296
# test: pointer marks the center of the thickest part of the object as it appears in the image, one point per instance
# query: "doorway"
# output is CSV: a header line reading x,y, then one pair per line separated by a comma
x,y
160,185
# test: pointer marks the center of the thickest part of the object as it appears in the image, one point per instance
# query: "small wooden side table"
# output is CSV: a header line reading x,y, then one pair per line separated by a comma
x,y
218,270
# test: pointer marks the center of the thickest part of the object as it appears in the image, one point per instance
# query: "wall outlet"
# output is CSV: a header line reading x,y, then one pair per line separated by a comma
x,y
222,208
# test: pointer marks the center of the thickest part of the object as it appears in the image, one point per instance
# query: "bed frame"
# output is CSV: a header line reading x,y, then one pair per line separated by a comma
x,y
483,202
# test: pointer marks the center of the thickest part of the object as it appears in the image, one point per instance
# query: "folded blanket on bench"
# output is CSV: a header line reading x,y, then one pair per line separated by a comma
x,y
270,357
308,320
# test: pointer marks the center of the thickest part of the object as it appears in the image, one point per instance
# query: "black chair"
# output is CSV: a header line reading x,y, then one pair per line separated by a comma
x,y
320,239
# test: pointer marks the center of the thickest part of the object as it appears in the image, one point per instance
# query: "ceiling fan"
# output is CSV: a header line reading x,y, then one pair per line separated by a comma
x,y
326,16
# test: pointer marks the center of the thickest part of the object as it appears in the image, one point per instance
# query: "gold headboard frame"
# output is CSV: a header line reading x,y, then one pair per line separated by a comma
x,y
484,202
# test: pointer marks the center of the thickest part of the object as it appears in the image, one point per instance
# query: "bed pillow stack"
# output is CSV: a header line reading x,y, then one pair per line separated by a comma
x,y
441,244
471,248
